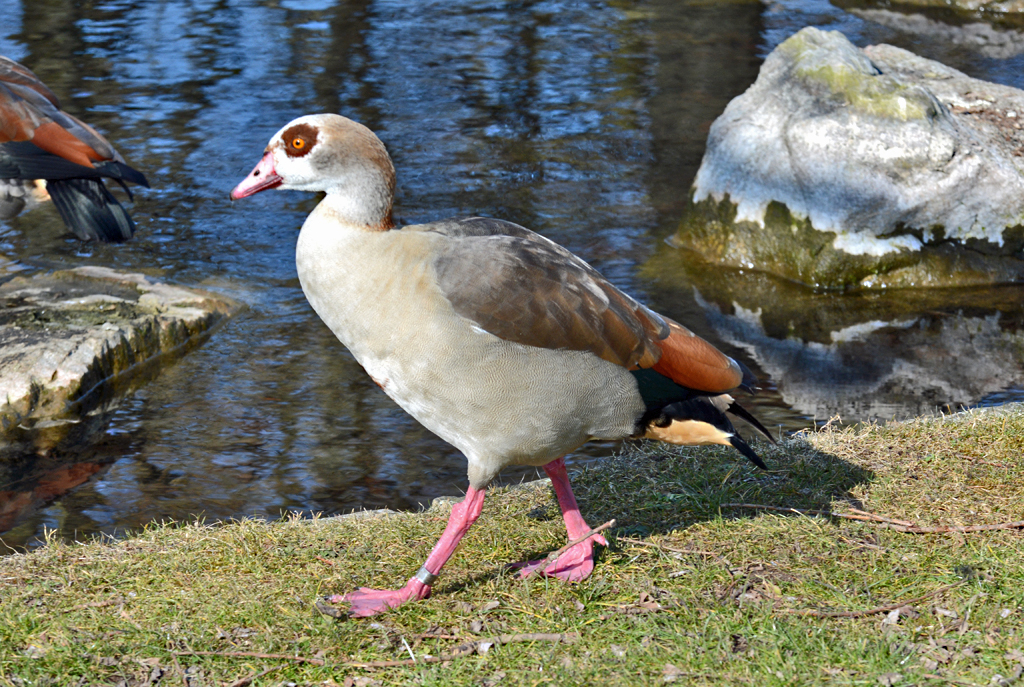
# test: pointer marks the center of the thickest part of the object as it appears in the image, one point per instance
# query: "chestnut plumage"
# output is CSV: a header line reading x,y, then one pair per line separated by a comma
x,y
39,142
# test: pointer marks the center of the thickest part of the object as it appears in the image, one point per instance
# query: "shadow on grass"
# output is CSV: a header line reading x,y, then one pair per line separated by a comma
x,y
652,488
655,489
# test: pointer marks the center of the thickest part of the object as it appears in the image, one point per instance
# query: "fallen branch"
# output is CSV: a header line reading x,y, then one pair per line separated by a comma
x,y
859,515
945,529
252,654
553,556
464,649
658,545
467,648
871,611
881,518
888,523
97,604
246,681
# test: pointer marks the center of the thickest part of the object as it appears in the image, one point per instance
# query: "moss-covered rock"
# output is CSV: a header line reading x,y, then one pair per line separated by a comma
x,y
791,247
845,168
71,340
987,6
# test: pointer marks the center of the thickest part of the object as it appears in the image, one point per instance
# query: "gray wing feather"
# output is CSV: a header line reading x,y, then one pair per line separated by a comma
x,y
522,287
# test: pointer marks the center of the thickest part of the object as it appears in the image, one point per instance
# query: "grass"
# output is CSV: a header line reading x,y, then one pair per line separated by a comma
x,y
692,591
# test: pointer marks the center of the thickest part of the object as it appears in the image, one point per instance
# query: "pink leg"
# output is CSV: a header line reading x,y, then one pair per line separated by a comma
x,y
365,602
578,561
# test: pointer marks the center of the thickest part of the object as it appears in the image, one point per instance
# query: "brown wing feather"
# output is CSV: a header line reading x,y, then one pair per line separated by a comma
x,y
18,120
522,287
690,361
54,139
14,73
29,111
525,288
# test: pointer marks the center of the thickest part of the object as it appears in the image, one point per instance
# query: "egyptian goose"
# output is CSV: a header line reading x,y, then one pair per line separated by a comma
x,y
501,342
47,153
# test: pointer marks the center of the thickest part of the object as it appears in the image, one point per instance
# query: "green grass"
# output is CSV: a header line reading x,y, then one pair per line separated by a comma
x,y
690,592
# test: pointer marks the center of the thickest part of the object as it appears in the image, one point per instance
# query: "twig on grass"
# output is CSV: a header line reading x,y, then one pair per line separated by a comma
x,y
946,529
656,545
467,648
553,556
880,518
246,681
673,549
670,675
97,604
870,611
888,523
464,649
252,654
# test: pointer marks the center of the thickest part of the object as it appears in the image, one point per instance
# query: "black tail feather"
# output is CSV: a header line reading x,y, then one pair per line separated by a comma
x,y
90,211
737,443
739,411
25,160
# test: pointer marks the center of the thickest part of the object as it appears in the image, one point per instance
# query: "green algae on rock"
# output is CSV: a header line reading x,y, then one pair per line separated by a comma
x,y
845,168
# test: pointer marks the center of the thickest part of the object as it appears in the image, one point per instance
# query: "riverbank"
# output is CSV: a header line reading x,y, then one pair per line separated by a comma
x,y
718,574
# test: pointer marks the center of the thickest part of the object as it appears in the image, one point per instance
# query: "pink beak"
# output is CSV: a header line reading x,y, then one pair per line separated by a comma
x,y
260,179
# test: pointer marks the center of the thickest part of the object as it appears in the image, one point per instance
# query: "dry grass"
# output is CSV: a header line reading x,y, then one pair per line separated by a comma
x,y
693,591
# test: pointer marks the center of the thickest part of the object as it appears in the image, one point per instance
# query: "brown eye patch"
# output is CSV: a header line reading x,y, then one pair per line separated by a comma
x,y
299,139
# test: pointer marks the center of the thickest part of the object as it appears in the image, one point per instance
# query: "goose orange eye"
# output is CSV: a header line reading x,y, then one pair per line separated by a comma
x,y
299,139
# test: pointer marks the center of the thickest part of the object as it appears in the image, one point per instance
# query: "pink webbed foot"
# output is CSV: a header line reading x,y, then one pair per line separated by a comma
x,y
575,564
365,602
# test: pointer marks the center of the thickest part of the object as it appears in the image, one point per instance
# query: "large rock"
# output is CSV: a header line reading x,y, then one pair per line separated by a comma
x,y
843,167
71,340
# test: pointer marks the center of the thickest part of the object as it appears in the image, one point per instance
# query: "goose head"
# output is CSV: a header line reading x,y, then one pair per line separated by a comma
x,y
331,154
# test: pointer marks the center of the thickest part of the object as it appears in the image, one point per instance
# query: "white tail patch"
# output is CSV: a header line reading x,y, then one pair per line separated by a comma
x,y
722,402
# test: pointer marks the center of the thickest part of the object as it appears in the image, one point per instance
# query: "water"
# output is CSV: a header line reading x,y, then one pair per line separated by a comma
x,y
582,120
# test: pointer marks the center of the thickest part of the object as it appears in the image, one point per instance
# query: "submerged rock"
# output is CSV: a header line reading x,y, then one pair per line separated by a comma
x,y
977,35
843,167
73,339
987,6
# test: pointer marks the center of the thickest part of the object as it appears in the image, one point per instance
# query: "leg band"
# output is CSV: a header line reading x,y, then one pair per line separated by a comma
x,y
425,576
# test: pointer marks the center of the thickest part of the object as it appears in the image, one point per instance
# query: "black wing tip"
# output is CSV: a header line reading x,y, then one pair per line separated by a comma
x,y
26,160
749,383
122,172
744,448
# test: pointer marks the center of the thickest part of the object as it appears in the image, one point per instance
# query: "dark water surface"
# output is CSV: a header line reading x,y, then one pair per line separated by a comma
x,y
584,121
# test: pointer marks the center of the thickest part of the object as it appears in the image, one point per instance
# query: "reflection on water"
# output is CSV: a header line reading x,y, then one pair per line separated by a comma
x,y
864,356
584,121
